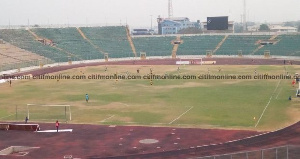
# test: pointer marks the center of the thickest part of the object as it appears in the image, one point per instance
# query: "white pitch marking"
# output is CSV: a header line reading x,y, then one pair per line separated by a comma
x,y
107,118
263,111
276,87
62,130
181,115
125,104
267,104
278,93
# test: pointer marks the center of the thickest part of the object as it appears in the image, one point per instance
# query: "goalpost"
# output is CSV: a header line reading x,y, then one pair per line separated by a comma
x,y
48,112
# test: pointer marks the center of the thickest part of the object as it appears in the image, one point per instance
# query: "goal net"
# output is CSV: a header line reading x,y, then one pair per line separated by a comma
x,y
39,112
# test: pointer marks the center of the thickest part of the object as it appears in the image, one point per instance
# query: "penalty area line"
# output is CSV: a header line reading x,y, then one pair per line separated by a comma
x,y
104,120
180,115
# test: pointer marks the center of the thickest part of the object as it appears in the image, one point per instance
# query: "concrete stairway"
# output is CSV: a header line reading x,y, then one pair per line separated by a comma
x,y
175,48
220,44
130,41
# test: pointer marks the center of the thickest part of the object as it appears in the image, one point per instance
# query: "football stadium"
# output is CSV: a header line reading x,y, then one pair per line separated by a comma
x,y
112,91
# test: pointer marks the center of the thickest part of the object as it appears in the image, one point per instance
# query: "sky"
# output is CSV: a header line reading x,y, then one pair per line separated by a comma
x,y
140,13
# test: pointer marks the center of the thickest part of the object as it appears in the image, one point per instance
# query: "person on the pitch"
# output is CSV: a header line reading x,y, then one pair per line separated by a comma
x,y
293,83
87,98
26,119
57,125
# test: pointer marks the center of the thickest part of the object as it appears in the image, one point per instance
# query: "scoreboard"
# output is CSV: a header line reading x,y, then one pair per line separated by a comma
x,y
217,23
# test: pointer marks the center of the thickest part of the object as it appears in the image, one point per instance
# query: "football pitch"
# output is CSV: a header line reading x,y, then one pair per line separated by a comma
x,y
184,96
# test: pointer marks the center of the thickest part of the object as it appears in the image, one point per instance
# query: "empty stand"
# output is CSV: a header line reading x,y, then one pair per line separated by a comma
x,y
24,40
112,40
71,41
220,44
287,45
197,45
154,46
261,46
246,43
21,48
13,57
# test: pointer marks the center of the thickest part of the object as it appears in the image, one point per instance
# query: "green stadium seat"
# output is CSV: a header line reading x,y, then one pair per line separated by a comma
x,y
112,40
154,46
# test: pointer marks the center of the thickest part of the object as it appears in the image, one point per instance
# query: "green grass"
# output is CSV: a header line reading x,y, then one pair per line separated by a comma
x,y
212,103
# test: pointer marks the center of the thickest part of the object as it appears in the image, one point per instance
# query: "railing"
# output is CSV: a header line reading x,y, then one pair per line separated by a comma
x,y
282,152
